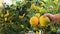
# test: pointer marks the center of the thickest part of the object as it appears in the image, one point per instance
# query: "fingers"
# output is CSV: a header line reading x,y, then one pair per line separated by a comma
x,y
57,16
53,18
47,14
50,16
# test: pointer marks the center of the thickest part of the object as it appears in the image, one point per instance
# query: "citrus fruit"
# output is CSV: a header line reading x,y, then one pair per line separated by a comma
x,y
43,21
37,15
33,6
37,32
34,21
5,19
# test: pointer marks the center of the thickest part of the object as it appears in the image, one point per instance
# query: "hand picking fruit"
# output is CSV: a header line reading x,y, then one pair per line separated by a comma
x,y
53,18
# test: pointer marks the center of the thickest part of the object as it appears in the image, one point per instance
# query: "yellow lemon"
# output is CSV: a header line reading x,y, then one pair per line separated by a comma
x,y
5,19
37,32
34,21
43,21
33,6
37,15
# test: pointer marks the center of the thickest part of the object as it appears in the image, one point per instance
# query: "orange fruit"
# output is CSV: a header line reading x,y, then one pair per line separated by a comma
x,y
34,21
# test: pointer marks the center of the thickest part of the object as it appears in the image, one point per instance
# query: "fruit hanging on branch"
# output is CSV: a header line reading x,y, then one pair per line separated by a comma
x,y
34,21
37,15
44,21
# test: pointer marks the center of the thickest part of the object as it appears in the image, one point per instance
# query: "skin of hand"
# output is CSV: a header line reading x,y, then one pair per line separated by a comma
x,y
57,17
50,16
53,18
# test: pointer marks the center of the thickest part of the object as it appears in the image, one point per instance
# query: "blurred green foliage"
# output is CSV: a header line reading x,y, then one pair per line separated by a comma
x,y
16,25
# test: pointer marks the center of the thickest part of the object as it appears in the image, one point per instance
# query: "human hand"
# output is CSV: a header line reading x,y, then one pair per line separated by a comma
x,y
50,16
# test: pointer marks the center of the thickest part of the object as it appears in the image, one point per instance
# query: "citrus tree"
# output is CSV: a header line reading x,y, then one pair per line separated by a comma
x,y
23,16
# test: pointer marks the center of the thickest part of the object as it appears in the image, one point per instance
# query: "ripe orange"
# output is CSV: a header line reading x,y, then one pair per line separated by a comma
x,y
34,21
